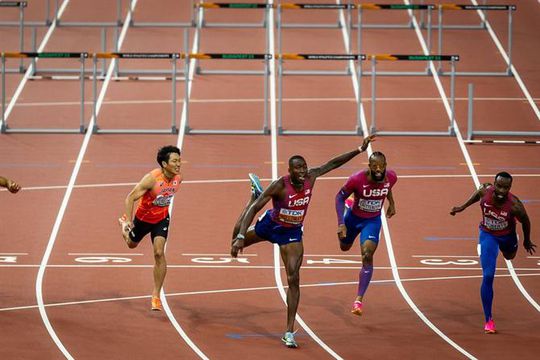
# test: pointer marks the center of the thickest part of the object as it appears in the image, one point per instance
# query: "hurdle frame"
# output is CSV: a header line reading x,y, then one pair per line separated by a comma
x,y
153,24
266,98
332,57
383,57
483,9
471,133
339,7
4,128
428,7
21,5
118,23
174,57
45,22
248,6
201,6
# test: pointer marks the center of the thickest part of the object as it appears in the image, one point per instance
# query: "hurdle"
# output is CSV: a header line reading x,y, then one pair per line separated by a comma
x,y
348,7
4,128
248,6
336,57
480,26
163,24
471,133
423,7
234,56
202,6
23,22
450,7
117,23
410,25
20,5
295,6
388,57
152,56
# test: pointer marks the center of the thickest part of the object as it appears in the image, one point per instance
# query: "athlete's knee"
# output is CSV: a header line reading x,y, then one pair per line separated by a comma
x,y
509,256
159,254
132,244
293,279
367,257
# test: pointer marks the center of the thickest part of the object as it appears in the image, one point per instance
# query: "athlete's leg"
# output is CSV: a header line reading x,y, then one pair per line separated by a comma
x,y
160,265
292,255
489,250
366,272
353,225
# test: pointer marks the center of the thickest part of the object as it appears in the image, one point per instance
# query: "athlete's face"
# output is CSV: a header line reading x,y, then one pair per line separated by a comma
x,y
173,165
377,168
502,188
298,171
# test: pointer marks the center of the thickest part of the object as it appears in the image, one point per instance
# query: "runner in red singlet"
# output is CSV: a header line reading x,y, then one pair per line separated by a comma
x,y
155,190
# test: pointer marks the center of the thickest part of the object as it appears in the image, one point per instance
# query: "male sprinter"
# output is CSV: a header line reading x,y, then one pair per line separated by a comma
x,y
370,187
283,225
500,209
156,190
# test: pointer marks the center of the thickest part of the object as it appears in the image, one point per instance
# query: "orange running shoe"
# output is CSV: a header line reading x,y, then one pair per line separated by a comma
x,y
156,304
357,308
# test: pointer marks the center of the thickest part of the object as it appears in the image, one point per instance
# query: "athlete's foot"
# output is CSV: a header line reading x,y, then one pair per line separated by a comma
x,y
357,308
489,327
256,187
156,304
288,340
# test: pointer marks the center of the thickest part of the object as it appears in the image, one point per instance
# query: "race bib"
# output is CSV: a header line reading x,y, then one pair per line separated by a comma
x,y
293,217
370,205
494,224
163,200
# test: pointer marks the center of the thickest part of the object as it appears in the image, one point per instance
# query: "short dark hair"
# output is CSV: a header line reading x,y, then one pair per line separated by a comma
x,y
377,154
165,152
296,157
505,175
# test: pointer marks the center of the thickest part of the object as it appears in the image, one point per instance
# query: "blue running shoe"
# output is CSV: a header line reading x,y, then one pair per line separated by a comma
x,y
256,187
289,341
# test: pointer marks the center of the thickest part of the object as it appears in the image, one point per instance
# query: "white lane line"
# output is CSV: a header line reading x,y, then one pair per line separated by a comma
x,y
464,149
507,60
261,288
386,230
228,181
179,144
67,195
273,132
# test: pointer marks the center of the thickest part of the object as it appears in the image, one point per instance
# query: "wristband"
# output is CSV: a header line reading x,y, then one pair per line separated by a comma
x,y
240,236
360,148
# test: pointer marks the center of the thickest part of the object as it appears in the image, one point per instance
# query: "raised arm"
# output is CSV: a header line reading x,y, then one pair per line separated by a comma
x,y
475,197
519,212
340,160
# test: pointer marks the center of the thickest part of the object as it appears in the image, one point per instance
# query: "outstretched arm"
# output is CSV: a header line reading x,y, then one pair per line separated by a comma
x,y
475,197
341,159
341,196
521,215
9,184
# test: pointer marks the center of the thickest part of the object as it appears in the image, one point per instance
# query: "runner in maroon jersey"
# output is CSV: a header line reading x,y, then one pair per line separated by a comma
x,y
283,224
500,209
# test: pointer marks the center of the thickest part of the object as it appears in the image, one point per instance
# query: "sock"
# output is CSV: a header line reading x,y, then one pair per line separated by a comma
x,y
364,279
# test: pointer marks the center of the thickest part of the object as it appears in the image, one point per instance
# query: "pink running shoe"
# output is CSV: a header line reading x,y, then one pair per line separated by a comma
x,y
489,328
357,308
